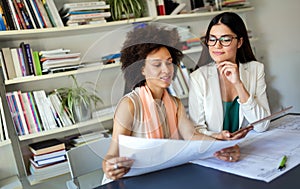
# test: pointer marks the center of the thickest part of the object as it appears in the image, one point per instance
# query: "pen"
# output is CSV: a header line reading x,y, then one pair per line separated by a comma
x,y
282,163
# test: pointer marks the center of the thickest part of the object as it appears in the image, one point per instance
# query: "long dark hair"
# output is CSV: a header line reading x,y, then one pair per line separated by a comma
x,y
237,26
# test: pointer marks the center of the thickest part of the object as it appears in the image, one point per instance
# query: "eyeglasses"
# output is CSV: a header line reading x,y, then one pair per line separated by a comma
x,y
224,40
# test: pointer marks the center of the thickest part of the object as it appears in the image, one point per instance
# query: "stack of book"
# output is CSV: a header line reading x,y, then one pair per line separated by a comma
x,y
48,159
74,14
187,38
235,3
59,59
28,14
89,137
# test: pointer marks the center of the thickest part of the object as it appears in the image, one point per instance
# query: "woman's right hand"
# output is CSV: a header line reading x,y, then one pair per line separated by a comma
x,y
226,135
116,167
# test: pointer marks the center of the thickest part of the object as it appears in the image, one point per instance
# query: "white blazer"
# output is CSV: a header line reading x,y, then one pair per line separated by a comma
x,y
205,102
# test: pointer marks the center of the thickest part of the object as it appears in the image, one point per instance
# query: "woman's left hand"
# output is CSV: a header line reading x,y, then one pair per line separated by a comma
x,y
230,71
231,154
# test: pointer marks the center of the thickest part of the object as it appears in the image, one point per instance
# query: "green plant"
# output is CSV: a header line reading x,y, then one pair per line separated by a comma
x,y
129,8
78,95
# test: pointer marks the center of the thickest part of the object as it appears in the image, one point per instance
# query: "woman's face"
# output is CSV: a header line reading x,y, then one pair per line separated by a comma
x,y
219,52
158,69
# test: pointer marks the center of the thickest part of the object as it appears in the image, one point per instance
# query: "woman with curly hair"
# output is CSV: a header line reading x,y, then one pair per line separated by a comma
x,y
149,57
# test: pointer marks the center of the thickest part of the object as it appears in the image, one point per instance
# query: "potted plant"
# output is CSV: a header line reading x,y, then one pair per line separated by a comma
x,y
78,100
125,9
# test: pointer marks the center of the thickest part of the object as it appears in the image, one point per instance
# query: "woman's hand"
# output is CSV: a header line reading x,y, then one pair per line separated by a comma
x,y
231,154
226,135
117,167
230,71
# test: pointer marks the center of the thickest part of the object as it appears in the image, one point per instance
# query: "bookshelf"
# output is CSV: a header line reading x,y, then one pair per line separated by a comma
x,y
108,77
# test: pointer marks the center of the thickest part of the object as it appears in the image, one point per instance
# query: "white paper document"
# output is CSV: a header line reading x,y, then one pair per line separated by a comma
x,y
156,154
261,153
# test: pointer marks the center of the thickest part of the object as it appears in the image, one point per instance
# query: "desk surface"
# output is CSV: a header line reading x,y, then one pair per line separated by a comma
x,y
191,176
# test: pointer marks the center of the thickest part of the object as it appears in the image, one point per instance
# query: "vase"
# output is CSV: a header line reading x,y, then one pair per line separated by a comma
x,y
82,112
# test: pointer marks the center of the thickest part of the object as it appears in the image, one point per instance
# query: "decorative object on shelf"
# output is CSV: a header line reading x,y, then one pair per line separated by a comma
x,y
78,100
126,9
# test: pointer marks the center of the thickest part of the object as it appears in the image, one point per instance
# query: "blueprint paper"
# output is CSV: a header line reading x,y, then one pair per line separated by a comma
x,y
261,153
156,154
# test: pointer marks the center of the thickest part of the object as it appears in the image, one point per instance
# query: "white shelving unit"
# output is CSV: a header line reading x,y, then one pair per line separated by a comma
x,y
108,77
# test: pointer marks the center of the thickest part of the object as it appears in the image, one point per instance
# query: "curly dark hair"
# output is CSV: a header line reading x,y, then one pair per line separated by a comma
x,y
141,41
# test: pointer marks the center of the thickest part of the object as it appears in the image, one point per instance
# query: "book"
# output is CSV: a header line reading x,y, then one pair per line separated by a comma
x,y
50,160
182,82
16,61
25,57
11,73
185,73
54,12
36,12
151,9
29,113
24,12
62,114
49,155
45,110
53,51
83,4
14,15
15,114
35,111
36,63
43,14
3,66
31,14
46,146
84,10
6,13
3,120
49,13
29,55
21,113
22,62
86,16
19,15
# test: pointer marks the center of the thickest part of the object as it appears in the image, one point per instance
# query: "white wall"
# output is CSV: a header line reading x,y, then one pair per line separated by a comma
x,y
276,24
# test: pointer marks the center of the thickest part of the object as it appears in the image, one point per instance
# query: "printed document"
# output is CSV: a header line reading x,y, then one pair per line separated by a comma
x,y
156,154
261,153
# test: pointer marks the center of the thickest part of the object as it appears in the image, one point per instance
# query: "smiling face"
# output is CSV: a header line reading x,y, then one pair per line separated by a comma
x,y
220,53
158,69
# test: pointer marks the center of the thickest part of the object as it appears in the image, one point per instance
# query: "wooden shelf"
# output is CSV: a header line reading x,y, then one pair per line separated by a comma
x,y
68,128
85,29
67,30
175,18
61,74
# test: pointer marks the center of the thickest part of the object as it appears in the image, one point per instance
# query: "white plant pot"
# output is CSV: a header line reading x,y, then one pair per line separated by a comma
x,y
82,112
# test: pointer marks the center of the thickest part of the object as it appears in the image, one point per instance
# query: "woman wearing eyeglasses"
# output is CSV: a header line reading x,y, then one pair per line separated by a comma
x,y
230,92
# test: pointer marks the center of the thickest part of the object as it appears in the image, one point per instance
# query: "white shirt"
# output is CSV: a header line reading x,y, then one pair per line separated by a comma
x,y
205,102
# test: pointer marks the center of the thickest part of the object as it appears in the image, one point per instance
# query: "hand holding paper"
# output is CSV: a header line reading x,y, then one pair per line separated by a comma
x,y
156,154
